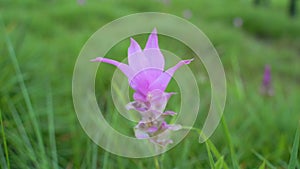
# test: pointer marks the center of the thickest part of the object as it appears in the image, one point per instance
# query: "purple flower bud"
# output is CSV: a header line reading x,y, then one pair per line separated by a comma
x,y
266,86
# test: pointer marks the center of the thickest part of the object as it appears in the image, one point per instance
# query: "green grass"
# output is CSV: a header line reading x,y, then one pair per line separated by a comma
x,y
39,44
295,150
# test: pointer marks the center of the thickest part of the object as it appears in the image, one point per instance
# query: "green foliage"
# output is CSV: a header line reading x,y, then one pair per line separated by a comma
x,y
295,150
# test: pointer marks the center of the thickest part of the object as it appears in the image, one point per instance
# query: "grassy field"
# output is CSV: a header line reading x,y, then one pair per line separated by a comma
x,y
39,44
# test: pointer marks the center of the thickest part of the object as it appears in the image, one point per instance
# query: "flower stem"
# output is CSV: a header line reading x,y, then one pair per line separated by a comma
x,y
156,162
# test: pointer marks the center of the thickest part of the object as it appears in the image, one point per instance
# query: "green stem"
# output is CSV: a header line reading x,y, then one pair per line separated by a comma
x,y
4,141
231,147
212,147
156,162
210,157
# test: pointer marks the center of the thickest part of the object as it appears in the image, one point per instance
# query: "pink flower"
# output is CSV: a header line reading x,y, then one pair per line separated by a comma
x,y
146,76
145,70
266,86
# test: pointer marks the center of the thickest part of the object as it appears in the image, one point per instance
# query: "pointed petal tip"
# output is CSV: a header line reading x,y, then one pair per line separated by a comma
x,y
133,47
188,61
152,42
131,39
133,43
98,59
154,31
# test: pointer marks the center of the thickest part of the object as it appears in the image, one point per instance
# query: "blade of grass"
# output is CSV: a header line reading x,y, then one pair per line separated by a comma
x,y
51,130
22,131
210,157
4,141
105,160
184,154
264,159
294,154
263,165
213,148
2,159
106,154
26,96
238,81
228,138
216,153
156,162
220,163
121,164
95,155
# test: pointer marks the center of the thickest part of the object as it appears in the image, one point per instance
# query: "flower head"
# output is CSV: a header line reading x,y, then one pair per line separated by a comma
x,y
147,77
266,86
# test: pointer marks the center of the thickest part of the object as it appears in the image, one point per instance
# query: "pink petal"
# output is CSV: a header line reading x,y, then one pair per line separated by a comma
x,y
123,67
152,129
152,40
137,96
158,100
171,113
173,69
134,47
174,127
137,105
164,125
162,82
140,134
168,95
153,53
136,59
141,81
155,58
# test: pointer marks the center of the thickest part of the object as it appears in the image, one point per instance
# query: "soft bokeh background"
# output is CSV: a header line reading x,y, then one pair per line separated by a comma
x,y
39,44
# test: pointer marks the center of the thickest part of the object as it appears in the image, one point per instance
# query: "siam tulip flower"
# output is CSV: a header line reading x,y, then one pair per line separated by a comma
x,y
147,77
266,86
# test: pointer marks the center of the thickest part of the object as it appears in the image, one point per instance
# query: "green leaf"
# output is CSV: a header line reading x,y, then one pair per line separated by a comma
x,y
234,159
293,159
270,165
210,157
4,141
263,165
219,164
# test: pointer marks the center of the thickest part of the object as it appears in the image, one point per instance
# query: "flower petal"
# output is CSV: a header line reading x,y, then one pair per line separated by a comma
x,y
123,67
174,127
169,113
137,96
153,53
137,105
140,134
163,139
152,40
158,100
134,47
162,82
166,126
155,58
136,59
152,129
141,80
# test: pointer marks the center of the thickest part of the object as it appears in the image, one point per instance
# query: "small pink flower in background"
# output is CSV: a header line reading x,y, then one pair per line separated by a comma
x,y
146,76
187,14
238,22
266,86
81,2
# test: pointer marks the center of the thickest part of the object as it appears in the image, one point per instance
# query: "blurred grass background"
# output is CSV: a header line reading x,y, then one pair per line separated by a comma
x,y
39,44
